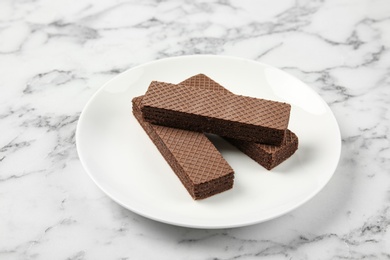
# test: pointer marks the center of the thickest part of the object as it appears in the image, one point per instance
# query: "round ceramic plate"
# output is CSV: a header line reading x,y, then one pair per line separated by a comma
x,y
122,160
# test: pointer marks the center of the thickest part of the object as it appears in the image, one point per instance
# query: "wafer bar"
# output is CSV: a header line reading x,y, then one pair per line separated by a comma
x,y
269,156
195,160
204,110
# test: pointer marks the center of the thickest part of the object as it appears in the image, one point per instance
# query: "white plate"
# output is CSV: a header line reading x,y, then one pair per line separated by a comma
x,y
122,160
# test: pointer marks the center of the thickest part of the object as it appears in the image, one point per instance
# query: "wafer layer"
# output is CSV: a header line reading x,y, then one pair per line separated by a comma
x,y
204,110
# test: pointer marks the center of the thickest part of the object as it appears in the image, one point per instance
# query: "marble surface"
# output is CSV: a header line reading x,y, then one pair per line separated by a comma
x,y
55,54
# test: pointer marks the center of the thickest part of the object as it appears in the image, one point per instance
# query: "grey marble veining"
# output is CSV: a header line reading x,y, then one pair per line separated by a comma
x,y
55,54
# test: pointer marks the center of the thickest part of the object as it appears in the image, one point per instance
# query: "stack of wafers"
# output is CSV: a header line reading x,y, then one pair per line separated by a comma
x,y
176,117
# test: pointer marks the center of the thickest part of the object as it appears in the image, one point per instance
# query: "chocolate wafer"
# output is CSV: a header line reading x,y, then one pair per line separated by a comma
x,y
204,110
195,160
269,156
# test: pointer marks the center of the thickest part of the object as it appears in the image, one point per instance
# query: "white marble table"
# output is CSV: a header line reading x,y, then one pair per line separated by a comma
x,y
55,54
